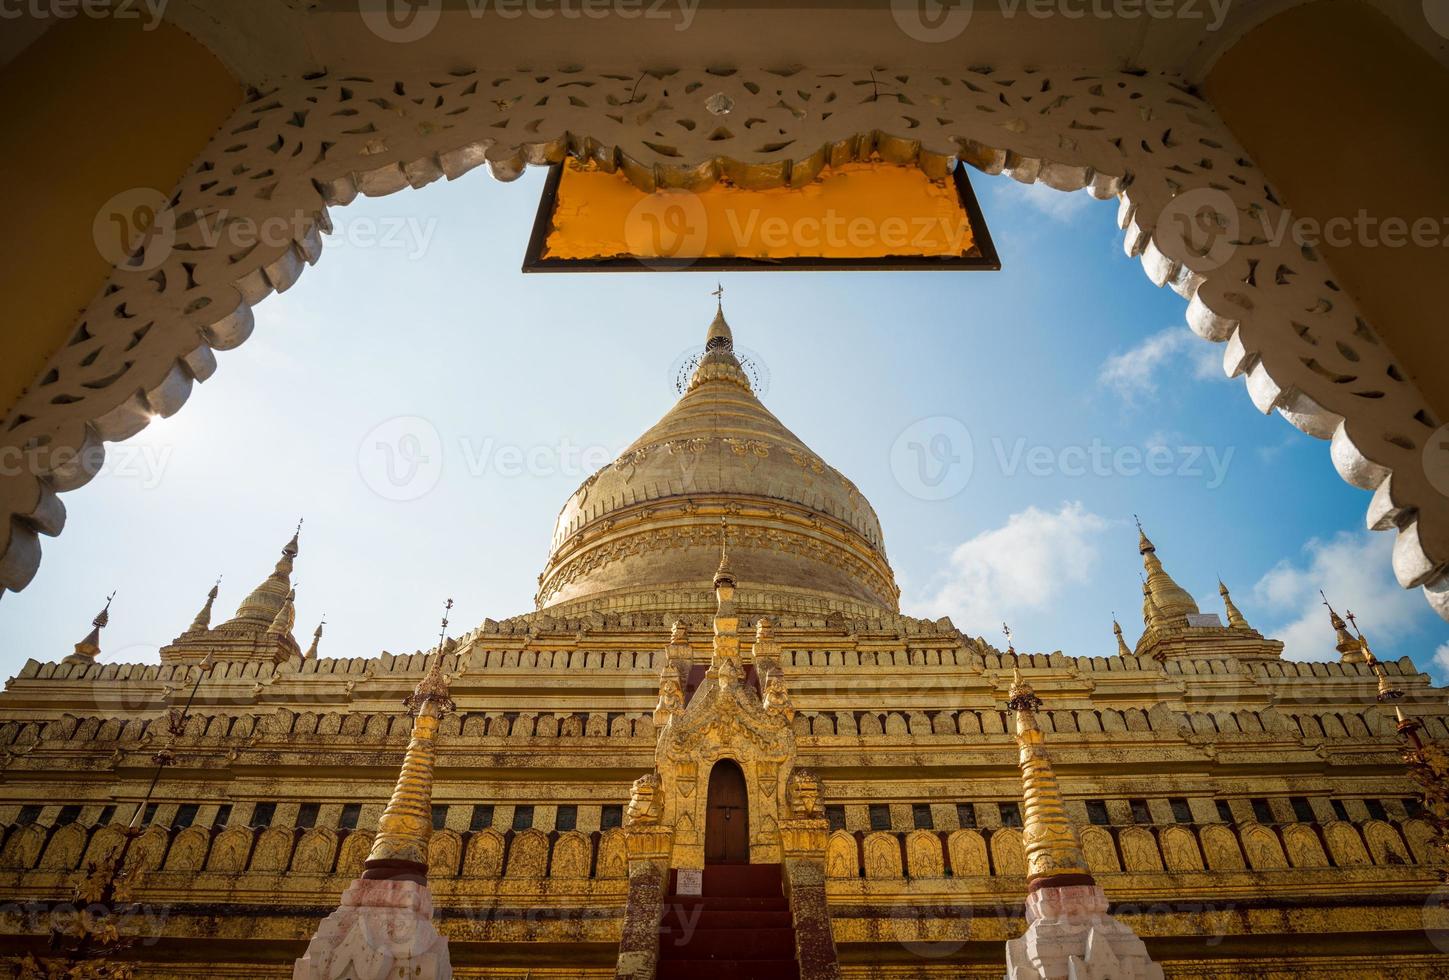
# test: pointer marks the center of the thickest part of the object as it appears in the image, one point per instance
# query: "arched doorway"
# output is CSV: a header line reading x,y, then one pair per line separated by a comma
x,y
727,816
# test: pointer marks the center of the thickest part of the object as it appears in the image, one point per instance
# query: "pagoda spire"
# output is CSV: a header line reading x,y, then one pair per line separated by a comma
x,y
1350,651
89,647
1172,599
717,362
384,924
286,616
719,334
400,849
1122,650
311,653
1235,617
1053,852
1071,931
203,618
264,602
1151,614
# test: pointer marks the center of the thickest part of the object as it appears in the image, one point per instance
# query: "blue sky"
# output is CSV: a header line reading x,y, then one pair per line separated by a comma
x,y
1034,396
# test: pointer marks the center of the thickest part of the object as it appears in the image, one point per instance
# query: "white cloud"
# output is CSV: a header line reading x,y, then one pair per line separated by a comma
x,y
1441,657
1055,204
1134,373
1353,569
1018,567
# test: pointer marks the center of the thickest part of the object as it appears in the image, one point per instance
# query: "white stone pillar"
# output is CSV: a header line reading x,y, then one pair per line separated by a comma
x,y
1071,936
383,929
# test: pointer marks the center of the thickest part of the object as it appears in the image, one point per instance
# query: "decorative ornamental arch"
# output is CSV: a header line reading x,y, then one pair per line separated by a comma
x,y
1192,208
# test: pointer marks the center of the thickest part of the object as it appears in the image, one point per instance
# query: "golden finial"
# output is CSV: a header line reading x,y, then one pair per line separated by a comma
x,y
203,618
719,336
1349,649
723,576
433,688
1387,691
1009,648
1053,851
718,294
400,849
1235,617
86,651
1144,543
1121,644
311,653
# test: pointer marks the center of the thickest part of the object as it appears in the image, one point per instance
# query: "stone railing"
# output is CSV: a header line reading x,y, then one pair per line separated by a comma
x,y
1110,850
368,727
950,721
484,854
387,727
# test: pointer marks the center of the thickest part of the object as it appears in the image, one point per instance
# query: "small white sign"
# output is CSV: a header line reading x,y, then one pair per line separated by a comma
x,y
691,881
1204,619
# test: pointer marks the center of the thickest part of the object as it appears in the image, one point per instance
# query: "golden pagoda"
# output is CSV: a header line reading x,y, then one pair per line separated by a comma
x,y
717,706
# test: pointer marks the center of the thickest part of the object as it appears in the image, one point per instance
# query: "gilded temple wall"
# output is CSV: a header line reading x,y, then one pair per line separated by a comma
x,y
902,719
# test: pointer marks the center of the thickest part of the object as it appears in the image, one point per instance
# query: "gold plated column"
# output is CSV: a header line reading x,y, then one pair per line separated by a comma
x,y
1053,852
400,849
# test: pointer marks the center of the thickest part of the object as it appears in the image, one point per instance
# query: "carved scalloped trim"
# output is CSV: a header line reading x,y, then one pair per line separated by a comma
x,y
1299,343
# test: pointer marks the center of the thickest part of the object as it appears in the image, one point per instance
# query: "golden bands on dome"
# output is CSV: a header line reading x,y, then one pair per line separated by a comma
x,y
652,546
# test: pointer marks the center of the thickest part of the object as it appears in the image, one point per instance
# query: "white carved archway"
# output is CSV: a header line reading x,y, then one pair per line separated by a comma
x,y
1191,206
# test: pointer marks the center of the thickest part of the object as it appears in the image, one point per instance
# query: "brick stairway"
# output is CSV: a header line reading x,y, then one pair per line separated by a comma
x,y
739,929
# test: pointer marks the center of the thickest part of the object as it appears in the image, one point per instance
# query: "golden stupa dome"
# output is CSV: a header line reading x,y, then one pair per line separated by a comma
x,y
644,533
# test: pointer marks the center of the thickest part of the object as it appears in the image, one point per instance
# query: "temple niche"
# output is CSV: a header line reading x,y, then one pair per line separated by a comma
x,y
717,747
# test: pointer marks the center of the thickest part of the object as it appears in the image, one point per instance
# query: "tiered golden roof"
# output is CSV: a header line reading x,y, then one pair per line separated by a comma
x,y
639,533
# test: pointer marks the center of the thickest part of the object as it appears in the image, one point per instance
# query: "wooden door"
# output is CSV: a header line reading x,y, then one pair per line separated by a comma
x,y
727,819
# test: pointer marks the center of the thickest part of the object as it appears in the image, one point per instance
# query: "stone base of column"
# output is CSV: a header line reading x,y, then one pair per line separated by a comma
x,y
1070,935
803,841
814,944
639,941
382,929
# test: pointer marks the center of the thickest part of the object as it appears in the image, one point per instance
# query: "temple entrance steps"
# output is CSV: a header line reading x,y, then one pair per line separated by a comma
x,y
738,929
